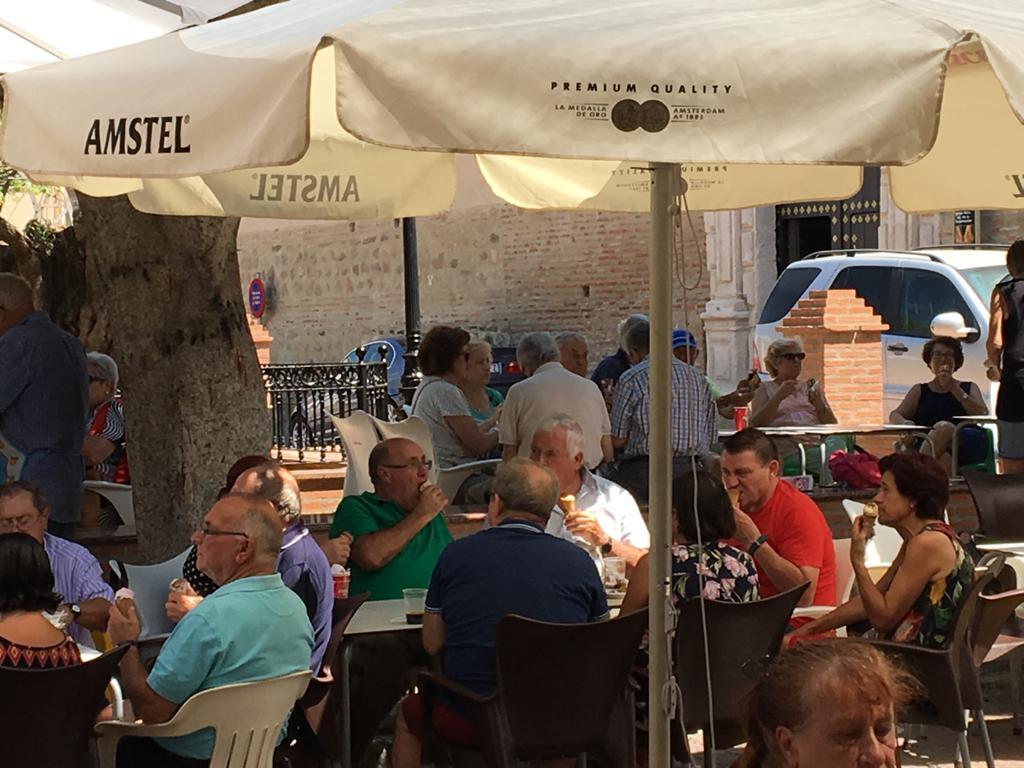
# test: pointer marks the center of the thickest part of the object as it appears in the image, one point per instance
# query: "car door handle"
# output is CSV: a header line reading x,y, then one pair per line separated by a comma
x,y
899,349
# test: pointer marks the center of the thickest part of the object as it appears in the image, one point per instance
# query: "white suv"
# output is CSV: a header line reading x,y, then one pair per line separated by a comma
x,y
943,290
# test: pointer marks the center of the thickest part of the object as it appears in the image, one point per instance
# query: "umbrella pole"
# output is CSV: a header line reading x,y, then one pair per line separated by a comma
x,y
412,376
660,450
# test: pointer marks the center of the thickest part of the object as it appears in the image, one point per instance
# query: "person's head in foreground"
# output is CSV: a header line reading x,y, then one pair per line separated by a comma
x,y
750,468
16,302
103,377
26,581
828,704
712,508
914,490
239,537
684,346
443,352
522,489
23,508
1015,259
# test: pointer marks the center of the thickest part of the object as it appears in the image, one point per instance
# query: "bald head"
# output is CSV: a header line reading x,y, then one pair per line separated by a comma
x,y
391,451
525,487
15,300
277,485
254,516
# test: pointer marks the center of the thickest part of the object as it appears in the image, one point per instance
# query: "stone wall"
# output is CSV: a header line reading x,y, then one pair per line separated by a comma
x,y
496,270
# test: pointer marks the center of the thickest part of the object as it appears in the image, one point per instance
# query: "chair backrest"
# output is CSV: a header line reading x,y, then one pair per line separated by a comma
x,y
990,619
997,499
323,703
49,713
246,717
415,429
150,584
558,683
741,636
358,437
884,546
845,577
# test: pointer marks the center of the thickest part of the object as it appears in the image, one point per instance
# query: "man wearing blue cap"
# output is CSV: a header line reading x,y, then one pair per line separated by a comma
x,y
686,349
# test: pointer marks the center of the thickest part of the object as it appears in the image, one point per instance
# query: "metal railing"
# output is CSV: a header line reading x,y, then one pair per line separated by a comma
x,y
302,396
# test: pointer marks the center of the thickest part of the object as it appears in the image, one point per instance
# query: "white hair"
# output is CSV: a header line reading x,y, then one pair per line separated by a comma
x,y
567,336
575,441
106,365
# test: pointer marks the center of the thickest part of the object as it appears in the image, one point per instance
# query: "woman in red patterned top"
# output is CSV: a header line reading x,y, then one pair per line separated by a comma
x,y
27,638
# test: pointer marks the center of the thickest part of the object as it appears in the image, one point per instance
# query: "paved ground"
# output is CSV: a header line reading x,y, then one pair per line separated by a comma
x,y
936,747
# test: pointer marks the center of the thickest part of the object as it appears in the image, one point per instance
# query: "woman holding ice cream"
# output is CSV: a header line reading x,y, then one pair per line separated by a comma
x,y
917,598
936,403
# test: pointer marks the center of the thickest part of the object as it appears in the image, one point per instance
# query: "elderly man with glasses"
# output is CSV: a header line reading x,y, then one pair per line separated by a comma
x,y
398,534
252,628
77,576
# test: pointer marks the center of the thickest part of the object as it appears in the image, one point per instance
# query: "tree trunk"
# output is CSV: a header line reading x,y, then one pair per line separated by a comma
x,y
165,290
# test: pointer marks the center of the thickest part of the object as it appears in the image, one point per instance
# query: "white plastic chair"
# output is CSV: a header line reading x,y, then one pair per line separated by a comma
x,y
247,719
884,546
150,584
358,437
415,429
845,580
119,495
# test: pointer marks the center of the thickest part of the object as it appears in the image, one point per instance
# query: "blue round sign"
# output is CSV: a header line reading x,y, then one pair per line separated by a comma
x,y
257,298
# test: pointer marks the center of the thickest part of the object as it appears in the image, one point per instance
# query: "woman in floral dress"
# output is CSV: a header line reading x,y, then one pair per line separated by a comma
x,y
726,573
917,599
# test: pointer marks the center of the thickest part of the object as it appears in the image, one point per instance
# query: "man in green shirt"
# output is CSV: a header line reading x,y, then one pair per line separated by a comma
x,y
398,531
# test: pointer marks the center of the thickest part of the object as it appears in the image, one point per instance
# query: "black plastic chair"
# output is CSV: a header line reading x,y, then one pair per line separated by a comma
x,y
998,501
741,638
563,691
321,705
49,714
991,644
948,677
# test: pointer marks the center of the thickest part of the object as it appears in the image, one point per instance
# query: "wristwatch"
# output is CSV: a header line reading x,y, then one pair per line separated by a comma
x,y
606,548
756,544
76,611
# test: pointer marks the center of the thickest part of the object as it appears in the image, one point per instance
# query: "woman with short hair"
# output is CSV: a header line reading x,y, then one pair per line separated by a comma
x,y
828,703
917,599
28,639
442,405
936,403
484,402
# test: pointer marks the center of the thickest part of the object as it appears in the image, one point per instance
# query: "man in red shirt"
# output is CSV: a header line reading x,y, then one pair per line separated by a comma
x,y
779,526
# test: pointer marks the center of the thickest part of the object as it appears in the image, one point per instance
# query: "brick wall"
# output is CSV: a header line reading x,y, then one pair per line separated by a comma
x,y
842,337
496,270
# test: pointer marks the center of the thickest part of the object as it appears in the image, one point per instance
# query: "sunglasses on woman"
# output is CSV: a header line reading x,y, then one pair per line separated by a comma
x,y
792,356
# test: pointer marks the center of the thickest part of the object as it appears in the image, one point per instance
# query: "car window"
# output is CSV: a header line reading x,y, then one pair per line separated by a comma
x,y
790,287
984,279
873,284
923,295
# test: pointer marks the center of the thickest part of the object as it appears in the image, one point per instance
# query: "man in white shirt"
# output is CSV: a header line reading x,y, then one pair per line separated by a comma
x,y
550,390
607,519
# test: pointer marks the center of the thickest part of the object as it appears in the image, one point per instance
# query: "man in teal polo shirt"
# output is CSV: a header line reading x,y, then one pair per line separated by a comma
x,y
398,531
252,628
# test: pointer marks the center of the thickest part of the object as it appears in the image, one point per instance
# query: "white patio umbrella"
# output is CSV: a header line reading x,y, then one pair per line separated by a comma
x,y
932,89
34,32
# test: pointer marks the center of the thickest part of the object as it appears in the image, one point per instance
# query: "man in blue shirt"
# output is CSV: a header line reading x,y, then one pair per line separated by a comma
x,y
302,564
44,403
511,567
252,628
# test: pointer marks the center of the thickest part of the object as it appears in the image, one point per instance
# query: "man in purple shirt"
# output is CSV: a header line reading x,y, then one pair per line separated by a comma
x,y
44,402
76,573
302,564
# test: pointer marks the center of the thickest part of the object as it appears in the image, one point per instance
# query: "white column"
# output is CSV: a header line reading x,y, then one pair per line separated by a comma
x,y
741,262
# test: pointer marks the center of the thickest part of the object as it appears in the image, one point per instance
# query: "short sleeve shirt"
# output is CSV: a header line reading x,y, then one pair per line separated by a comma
x,y
366,514
305,571
511,568
250,629
797,530
435,399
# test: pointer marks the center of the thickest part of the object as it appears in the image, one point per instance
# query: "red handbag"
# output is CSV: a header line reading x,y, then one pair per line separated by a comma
x,y
857,470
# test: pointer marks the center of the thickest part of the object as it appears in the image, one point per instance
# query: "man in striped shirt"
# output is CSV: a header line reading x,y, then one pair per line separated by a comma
x,y
77,577
694,427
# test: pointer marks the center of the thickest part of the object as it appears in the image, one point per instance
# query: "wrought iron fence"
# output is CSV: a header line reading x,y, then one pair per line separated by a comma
x,y
303,396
